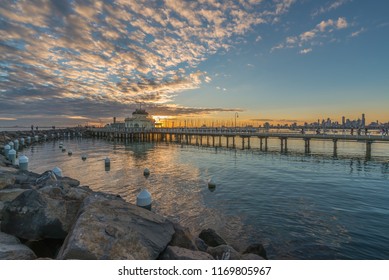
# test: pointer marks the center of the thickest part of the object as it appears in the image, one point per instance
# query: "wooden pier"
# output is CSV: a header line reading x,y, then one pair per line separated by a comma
x,y
213,137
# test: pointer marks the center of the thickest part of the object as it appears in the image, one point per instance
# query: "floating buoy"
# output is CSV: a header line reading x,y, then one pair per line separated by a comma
x,y
146,172
211,184
28,140
23,162
63,149
22,142
107,163
70,152
12,156
57,171
16,147
7,148
144,199
83,157
36,138
60,145
11,144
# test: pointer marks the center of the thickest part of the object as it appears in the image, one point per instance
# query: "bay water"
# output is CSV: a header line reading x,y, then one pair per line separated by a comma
x,y
298,206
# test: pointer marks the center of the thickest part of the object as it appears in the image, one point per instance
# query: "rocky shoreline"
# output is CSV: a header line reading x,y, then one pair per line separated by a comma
x,y
45,216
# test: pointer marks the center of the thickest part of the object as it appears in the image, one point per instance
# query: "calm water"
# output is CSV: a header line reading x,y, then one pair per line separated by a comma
x,y
298,206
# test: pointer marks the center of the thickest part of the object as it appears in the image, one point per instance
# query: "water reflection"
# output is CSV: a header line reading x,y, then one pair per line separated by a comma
x,y
295,203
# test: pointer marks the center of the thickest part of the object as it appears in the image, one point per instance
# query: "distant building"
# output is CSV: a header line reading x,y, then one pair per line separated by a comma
x,y
140,119
363,120
116,124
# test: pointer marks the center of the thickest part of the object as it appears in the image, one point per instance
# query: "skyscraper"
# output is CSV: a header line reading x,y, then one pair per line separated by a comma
x,y
363,120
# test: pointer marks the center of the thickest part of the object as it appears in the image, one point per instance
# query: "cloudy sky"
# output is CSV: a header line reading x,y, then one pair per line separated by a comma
x,y
75,61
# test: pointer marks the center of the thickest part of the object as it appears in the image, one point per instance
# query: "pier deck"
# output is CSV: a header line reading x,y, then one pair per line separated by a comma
x,y
187,135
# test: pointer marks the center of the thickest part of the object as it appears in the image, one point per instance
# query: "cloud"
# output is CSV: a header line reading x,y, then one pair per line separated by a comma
x,y
329,7
341,23
7,119
308,35
358,32
283,6
119,52
305,51
323,31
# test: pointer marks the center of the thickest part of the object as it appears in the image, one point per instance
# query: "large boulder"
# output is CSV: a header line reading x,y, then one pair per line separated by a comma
x,y
12,249
10,194
257,249
251,256
224,252
178,253
211,238
183,238
200,244
2,205
48,178
7,176
108,227
45,213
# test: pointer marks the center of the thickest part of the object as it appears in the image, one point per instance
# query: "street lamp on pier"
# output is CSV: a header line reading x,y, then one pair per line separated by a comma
x,y
236,116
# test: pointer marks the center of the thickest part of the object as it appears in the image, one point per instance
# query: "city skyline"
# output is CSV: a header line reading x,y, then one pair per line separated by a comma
x,y
281,61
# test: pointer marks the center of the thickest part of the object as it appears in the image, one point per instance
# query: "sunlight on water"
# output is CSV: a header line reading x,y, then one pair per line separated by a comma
x,y
300,206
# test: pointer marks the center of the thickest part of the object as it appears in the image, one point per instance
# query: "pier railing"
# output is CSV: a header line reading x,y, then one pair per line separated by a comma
x,y
186,135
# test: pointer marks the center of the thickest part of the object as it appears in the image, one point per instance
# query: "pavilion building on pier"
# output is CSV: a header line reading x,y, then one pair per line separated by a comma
x,y
140,119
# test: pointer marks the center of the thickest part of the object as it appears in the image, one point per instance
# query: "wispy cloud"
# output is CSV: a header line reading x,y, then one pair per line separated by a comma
x,y
358,32
283,6
329,7
8,119
316,36
305,51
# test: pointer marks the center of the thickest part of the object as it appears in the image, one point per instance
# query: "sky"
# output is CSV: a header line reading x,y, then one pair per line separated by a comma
x,y
73,62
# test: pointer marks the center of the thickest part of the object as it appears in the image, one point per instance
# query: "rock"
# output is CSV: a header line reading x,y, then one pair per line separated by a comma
x,y
69,181
108,227
257,249
7,176
45,213
224,252
182,238
48,178
26,178
251,256
201,245
10,194
1,210
2,160
211,238
46,248
178,253
12,249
